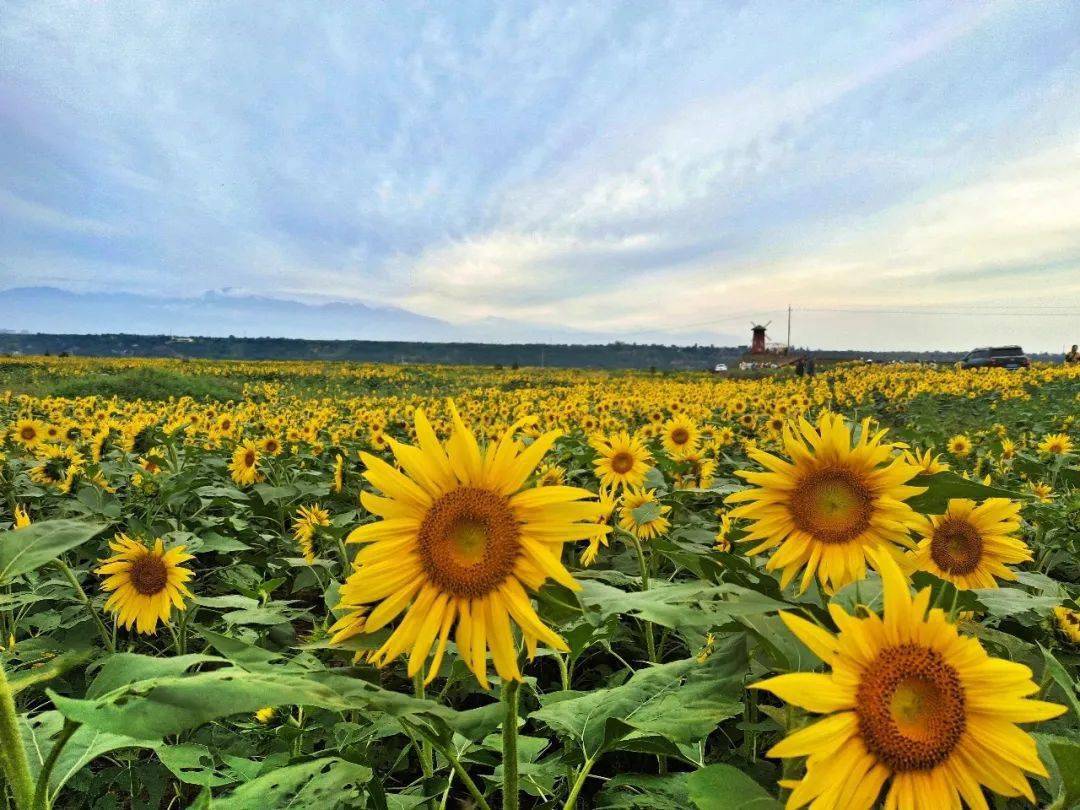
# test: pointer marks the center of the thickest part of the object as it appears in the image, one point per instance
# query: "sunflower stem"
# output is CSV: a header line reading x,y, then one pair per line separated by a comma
x,y
579,783
510,691
346,563
646,626
41,793
106,636
14,760
427,758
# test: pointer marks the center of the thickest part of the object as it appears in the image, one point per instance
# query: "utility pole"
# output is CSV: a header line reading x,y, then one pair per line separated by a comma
x,y
789,327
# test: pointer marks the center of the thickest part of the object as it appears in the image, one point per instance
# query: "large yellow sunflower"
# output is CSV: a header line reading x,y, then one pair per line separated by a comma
x,y
829,505
146,583
459,541
28,432
970,545
911,703
623,460
57,467
642,515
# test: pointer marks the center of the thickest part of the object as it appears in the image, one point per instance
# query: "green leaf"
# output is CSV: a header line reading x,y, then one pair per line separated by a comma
x,y
647,512
46,672
195,765
692,605
329,782
642,791
85,745
943,486
23,550
1056,670
725,787
1011,601
168,705
271,495
681,702
121,669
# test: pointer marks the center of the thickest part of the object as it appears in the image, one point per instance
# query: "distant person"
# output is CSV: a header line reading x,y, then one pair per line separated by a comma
x,y
800,367
810,365
1073,357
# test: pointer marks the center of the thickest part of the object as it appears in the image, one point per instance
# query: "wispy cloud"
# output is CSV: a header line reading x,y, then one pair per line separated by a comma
x,y
626,168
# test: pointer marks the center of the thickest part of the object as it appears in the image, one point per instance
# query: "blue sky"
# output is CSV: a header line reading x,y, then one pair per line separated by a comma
x,y
628,168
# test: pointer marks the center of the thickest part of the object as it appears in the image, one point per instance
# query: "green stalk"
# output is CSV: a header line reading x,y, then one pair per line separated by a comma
x,y
102,629
510,690
579,783
650,642
427,759
41,793
14,759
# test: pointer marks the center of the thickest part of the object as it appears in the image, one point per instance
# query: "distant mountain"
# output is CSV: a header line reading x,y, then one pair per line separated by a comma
x,y
225,314
213,314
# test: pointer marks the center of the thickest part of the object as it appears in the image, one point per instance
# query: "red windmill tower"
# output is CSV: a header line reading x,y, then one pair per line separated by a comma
x,y
757,344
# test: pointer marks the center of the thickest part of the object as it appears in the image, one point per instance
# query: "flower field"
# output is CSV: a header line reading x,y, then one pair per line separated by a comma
x,y
269,585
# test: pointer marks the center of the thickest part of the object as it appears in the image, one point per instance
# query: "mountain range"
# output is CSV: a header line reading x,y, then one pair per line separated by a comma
x,y
221,313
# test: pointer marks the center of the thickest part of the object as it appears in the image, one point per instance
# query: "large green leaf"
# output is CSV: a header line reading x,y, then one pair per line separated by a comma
x,y
121,669
681,702
23,550
692,605
86,744
329,782
724,787
943,486
168,705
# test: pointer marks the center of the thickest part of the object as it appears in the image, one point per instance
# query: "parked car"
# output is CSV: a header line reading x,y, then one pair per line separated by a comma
x,y
1010,357
720,367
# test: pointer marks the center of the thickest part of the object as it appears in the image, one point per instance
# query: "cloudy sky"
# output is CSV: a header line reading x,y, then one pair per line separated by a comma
x,y
904,175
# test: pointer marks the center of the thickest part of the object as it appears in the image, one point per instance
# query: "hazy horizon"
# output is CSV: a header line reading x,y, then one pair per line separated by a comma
x,y
905,177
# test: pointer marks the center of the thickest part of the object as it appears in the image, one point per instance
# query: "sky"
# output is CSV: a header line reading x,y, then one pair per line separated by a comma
x,y
903,175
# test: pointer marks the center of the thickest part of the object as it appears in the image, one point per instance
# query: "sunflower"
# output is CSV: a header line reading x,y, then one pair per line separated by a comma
x,y
911,703
551,475
1008,449
641,514
959,445
21,518
244,466
270,445
339,474
57,467
1068,621
970,545
28,432
609,504
927,462
1043,492
305,525
829,505
623,460
680,435
265,714
1055,444
460,540
145,582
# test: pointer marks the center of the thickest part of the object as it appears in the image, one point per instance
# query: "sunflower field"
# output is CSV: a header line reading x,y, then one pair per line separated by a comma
x,y
320,585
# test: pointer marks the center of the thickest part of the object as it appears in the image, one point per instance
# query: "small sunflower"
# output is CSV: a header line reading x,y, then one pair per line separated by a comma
x,y
1056,444
970,545
28,432
146,583
642,515
307,522
1068,621
339,474
608,504
22,519
461,538
622,460
927,462
830,505
959,445
57,467
680,435
551,475
909,702
270,445
244,466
